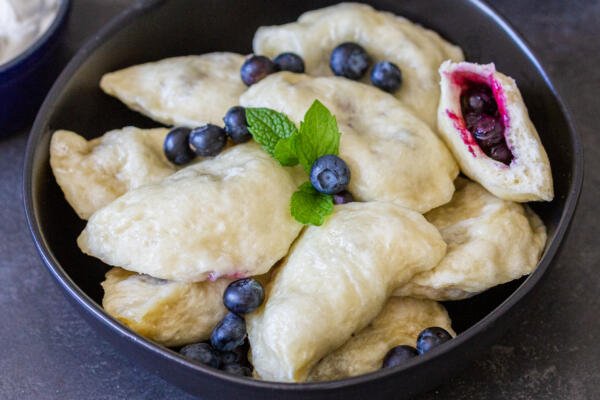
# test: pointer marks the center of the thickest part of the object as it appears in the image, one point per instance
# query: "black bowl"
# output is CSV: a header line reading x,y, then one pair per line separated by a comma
x,y
151,30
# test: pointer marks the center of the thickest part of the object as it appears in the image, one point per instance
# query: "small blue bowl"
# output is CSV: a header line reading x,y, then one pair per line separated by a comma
x,y
25,80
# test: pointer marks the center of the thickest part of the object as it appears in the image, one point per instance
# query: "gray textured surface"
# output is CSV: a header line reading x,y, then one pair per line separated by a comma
x,y
49,352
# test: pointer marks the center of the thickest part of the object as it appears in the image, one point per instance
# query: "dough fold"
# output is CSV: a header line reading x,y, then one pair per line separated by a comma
x,y
335,280
184,91
490,242
225,216
393,156
385,36
93,173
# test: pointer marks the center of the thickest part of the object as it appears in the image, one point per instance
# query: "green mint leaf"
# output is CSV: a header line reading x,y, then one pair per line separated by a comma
x,y
318,135
268,127
285,151
309,206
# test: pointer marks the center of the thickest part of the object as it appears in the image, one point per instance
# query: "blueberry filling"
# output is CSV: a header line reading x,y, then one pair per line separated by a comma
x,y
484,121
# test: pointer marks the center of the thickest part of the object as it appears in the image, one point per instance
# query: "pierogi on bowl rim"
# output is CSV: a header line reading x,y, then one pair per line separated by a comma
x,y
179,238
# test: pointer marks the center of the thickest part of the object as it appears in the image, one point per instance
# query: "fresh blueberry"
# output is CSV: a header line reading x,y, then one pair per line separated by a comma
x,y
229,333
176,146
386,76
330,174
232,357
236,369
236,125
349,60
430,338
398,355
289,62
256,68
202,353
208,140
343,197
243,296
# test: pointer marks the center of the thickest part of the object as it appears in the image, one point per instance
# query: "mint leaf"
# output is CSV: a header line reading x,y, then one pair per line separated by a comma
x,y
319,135
268,127
285,151
309,206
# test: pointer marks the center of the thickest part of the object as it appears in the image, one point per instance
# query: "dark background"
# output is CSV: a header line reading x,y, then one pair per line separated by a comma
x,y
48,352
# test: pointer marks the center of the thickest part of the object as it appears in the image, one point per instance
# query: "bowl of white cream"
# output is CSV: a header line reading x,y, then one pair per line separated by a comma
x,y
29,30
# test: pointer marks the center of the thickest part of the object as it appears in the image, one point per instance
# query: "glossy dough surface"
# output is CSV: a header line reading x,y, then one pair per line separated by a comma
x,y
393,155
93,173
226,216
385,36
170,313
528,177
490,242
335,280
184,91
399,323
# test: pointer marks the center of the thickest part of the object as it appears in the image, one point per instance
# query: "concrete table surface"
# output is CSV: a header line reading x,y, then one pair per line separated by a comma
x,y
48,351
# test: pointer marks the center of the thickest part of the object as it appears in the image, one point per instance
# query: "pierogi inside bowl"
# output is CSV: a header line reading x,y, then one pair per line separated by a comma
x,y
154,30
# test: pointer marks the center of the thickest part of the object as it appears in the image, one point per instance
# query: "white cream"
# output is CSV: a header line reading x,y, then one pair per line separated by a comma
x,y
22,22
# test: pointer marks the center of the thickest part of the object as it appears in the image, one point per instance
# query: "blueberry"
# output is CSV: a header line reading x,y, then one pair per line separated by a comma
x,y
243,296
208,140
329,174
229,333
501,153
289,62
236,125
176,146
343,197
349,60
231,357
430,338
202,353
398,355
236,369
386,76
256,68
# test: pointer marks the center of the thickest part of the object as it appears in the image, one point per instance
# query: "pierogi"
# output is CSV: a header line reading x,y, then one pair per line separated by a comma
x,y
185,91
416,50
528,176
170,313
490,241
393,155
225,216
93,173
399,323
335,280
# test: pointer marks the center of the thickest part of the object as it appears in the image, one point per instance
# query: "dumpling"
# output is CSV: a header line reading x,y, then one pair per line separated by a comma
x,y
416,50
335,280
490,241
93,173
170,313
393,155
225,216
494,142
184,91
399,323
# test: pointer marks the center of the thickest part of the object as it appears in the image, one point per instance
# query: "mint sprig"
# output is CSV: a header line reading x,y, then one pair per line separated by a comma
x,y
318,136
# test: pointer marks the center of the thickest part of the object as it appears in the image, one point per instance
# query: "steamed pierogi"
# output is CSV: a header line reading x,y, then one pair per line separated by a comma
x,y
399,323
185,91
393,155
225,216
170,313
335,280
490,241
417,51
93,173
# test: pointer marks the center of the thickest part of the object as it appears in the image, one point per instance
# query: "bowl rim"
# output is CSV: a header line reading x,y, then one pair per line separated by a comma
x,y
57,22
140,7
